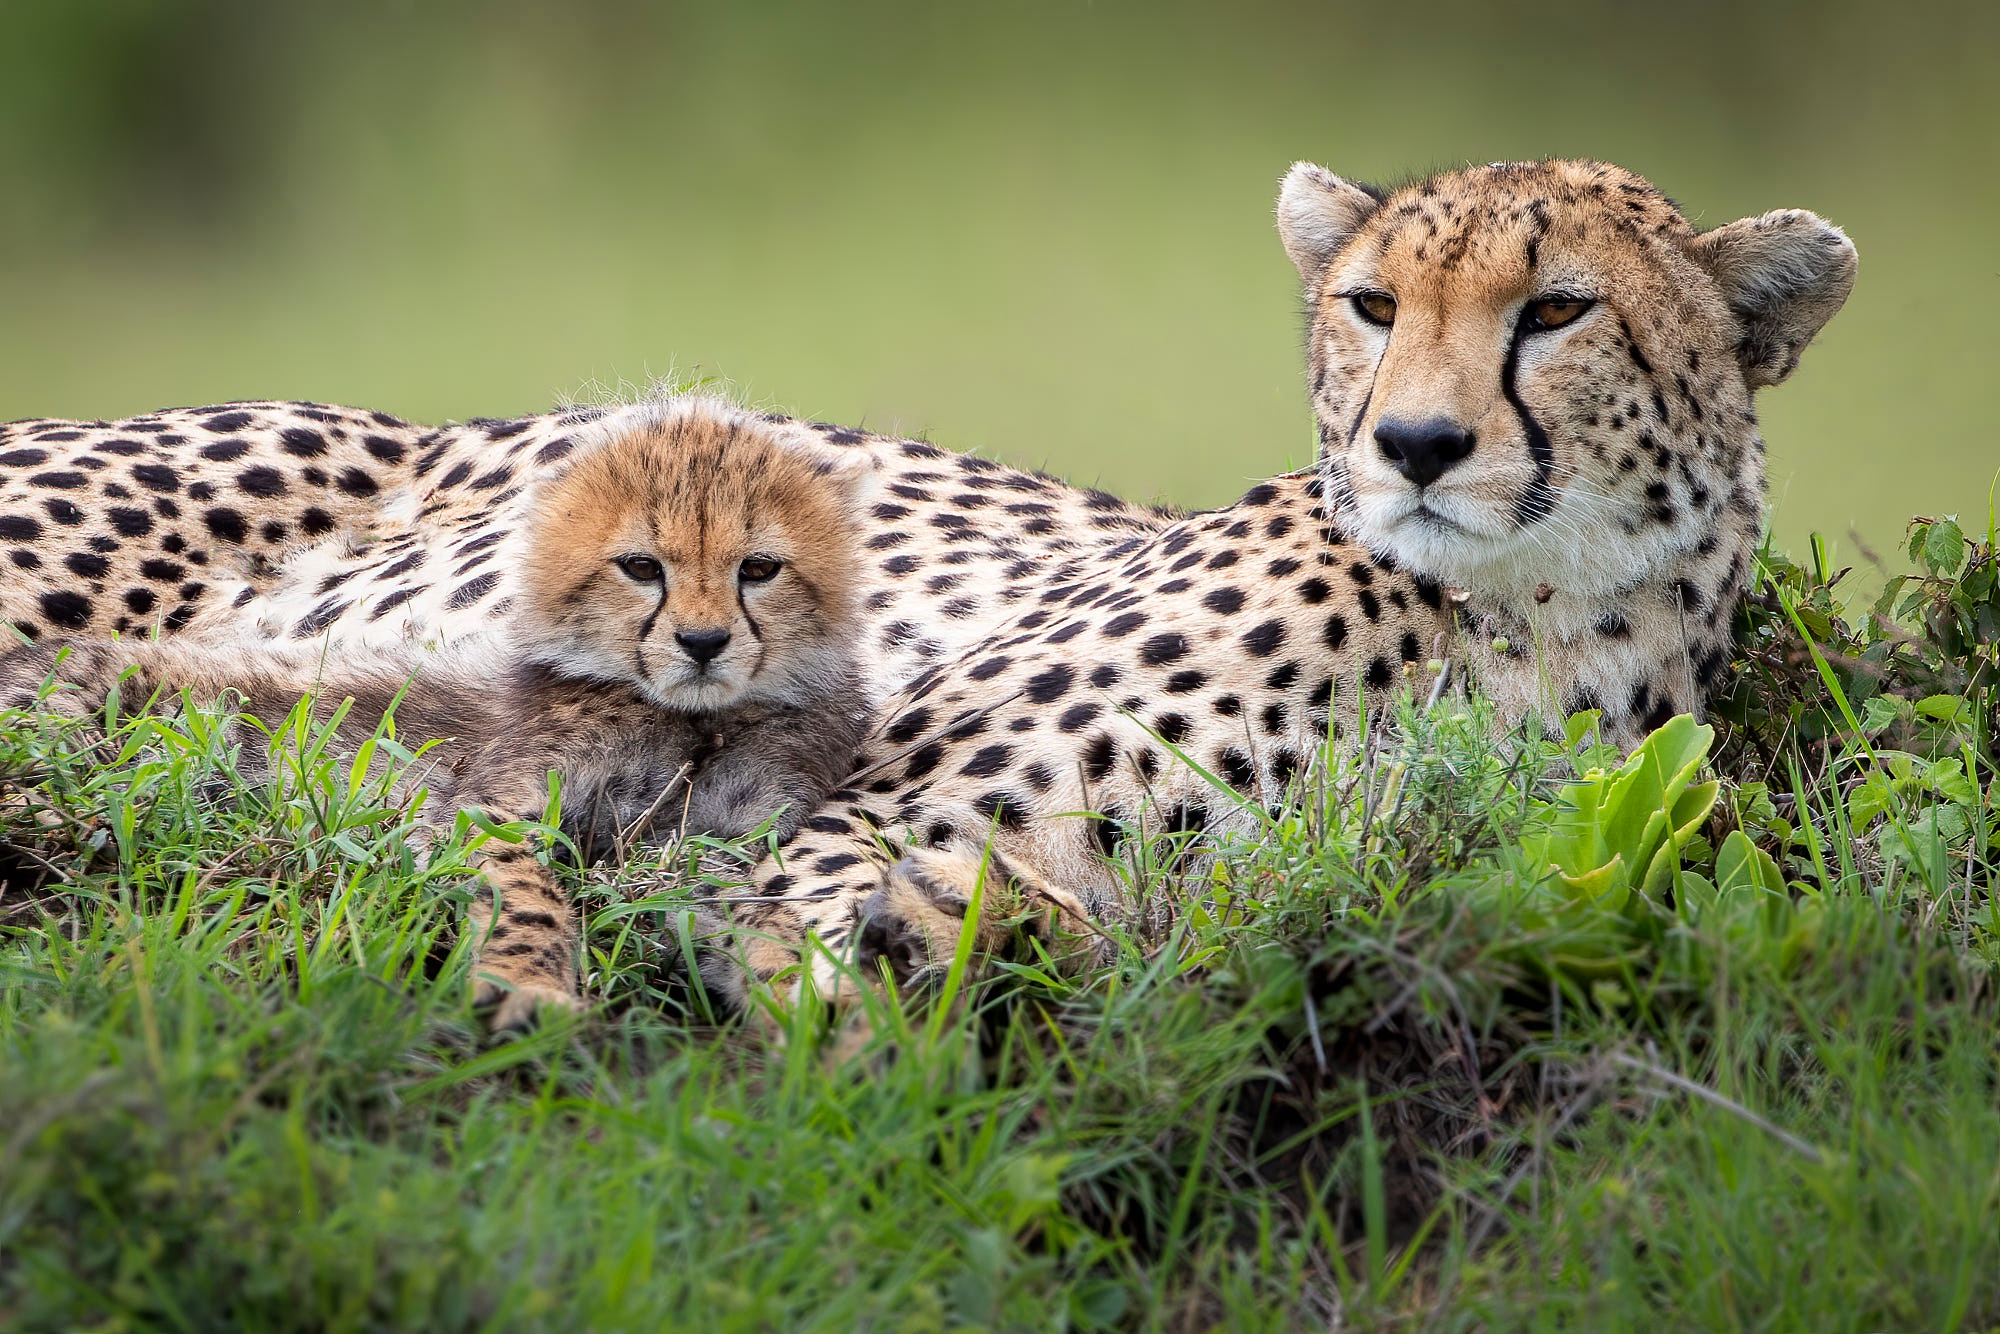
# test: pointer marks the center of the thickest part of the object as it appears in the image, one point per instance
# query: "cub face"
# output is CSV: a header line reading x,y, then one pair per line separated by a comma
x,y
1539,374
699,553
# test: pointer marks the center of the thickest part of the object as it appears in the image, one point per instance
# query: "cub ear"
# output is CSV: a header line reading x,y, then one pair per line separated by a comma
x,y
853,473
1318,214
1784,275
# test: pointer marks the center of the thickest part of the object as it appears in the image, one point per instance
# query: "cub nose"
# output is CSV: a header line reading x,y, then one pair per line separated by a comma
x,y
1422,451
702,645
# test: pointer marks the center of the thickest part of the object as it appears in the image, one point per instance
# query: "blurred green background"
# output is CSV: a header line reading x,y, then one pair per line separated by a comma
x,y
1041,230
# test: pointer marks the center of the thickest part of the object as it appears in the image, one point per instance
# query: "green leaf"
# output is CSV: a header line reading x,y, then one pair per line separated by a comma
x,y
1944,546
1950,710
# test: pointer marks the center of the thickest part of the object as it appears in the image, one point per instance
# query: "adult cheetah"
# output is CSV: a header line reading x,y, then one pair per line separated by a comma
x,y
1532,383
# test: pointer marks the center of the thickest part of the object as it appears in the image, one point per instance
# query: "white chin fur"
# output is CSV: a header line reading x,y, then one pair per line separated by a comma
x,y
688,693
1579,549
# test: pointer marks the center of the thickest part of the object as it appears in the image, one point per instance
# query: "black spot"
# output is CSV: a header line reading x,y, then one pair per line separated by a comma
x,y
302,442
1409,648
1164,648
86,565
162,571
1098,757
24,458
225,451
1223,601
129,522
1283,678
1172,727
1237,769
1613,626
1265,639
1105,676
1314,591
472,590
908,727
261,481
315,522
1047,686
59,481
67,609
1379,674
19,528
1222,560
1003,808
225,422
1078,716
922,760
141,600
1119,626
988,760
355,482
1370,607
989,668
63,512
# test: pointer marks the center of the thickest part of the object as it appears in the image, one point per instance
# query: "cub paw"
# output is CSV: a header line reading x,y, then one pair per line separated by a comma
x,y
513,1007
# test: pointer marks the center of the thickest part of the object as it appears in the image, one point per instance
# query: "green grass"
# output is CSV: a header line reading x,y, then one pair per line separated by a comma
x,y
1381,1072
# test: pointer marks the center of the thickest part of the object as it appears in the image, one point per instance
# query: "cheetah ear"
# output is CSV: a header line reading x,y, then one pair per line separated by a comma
x,y
1318,214
1784,275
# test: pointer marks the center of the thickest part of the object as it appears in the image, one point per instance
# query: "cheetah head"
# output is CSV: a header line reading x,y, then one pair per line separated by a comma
x,y
1539,375
703,554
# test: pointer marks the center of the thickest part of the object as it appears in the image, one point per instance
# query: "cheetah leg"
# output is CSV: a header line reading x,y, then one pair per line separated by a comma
x,y
527,955
527,959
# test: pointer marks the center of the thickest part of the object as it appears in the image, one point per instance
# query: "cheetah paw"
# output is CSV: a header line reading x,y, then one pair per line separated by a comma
x,y
914,921
513,1007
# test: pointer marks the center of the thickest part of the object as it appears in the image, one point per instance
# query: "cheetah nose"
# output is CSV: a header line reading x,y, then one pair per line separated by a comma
x,y
702,645
1422,451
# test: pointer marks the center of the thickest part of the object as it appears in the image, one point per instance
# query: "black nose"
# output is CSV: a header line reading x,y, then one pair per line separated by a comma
x,y
1422,451
702,645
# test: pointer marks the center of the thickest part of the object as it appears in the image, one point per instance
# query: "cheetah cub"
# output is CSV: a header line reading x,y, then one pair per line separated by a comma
x,y
681,654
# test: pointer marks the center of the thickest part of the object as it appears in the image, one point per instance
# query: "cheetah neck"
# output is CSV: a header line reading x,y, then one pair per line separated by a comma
x,y
1638,654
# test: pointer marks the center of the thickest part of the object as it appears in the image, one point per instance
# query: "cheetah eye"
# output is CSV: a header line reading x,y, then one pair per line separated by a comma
x,y
1553,312
759,569
1375,307
642,569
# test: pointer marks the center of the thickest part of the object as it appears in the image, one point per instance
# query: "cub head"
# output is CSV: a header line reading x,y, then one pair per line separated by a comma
x,y
1538,375
703,554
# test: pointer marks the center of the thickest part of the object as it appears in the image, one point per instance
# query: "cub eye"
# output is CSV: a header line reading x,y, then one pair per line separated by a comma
x,y
643,569
759,569
1375,307
1552,312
